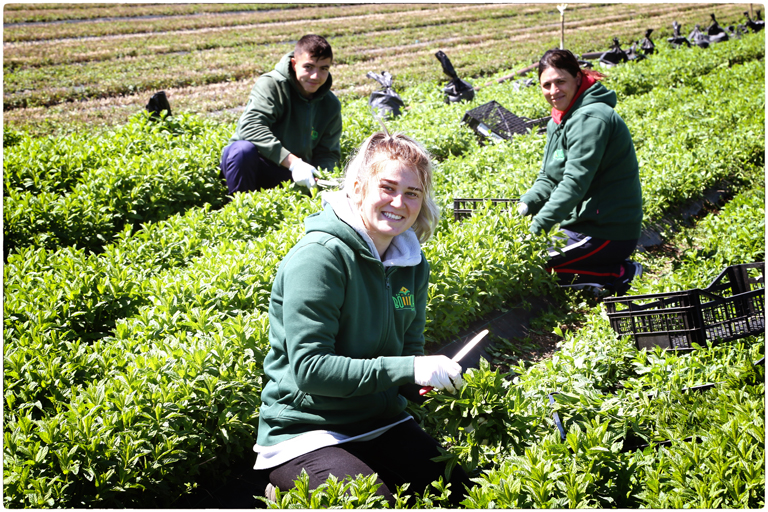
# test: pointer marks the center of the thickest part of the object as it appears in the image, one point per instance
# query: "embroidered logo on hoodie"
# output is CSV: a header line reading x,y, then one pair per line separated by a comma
x,y
404,299
314,134
559,154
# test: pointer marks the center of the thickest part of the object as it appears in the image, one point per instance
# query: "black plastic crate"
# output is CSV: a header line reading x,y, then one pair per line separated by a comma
x,y
491,120
731,307
463,208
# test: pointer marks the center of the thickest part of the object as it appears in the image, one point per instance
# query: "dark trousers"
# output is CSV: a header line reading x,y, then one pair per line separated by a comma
x,y
590,261
400,455
244,169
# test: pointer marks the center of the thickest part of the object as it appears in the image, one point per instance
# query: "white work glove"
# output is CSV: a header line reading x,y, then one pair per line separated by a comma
x,y
302,173
522,209
438,372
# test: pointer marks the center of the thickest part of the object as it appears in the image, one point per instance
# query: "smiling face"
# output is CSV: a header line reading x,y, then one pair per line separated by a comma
x,y
559,87
390,204
311,73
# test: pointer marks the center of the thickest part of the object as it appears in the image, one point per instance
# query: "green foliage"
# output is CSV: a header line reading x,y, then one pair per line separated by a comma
x,y
486,421
353,493
135,309
476,266
348,493
683,67
736,235
145,172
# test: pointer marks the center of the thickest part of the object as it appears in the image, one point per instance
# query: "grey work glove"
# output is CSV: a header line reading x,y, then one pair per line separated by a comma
x,y
302,173
438,372
522,209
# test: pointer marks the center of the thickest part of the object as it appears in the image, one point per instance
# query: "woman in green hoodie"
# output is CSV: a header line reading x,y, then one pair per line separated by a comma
x,y
347,316
589,183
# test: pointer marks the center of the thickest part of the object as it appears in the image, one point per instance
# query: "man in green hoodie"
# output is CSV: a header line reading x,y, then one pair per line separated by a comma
x,y
291,124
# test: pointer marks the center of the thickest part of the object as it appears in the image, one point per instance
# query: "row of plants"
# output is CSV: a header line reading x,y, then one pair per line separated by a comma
x,y
397,30
144,172
82,191
188,21
411,63
398,27
38,13
184,60
242,55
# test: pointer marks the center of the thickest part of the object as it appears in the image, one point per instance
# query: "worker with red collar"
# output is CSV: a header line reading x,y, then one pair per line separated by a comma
x,y
589,183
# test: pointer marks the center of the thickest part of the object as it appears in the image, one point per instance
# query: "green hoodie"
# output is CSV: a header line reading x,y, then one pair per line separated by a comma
x,y
344,331
279,120
589,181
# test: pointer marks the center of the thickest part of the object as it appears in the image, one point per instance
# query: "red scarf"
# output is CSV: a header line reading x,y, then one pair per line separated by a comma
x,y
586,83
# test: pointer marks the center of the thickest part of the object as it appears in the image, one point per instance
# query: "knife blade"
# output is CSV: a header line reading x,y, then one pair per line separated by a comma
x,y
461,353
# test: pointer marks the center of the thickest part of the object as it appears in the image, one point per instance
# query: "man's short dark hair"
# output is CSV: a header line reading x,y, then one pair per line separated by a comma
x,y
316,46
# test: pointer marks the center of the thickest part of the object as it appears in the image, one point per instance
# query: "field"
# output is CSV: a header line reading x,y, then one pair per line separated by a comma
x,y
135,293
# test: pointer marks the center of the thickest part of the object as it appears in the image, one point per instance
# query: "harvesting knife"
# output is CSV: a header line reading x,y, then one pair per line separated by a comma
x,y
333,182
464,351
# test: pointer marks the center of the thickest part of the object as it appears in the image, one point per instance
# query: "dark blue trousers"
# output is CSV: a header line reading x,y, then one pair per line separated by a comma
x,y
244,169
589,261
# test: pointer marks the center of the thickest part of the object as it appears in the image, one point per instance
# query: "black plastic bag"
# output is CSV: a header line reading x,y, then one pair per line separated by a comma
x,y
698,37
646,45
633,54
457,89
677,40
754,25
735,32
385,100
614,56
715,32
157,103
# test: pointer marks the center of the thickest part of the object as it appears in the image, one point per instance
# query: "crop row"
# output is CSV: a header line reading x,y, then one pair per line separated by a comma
x,y
411,64
128,25
399,26
397,31
152,179
38,13
82,192
243,55
162,62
